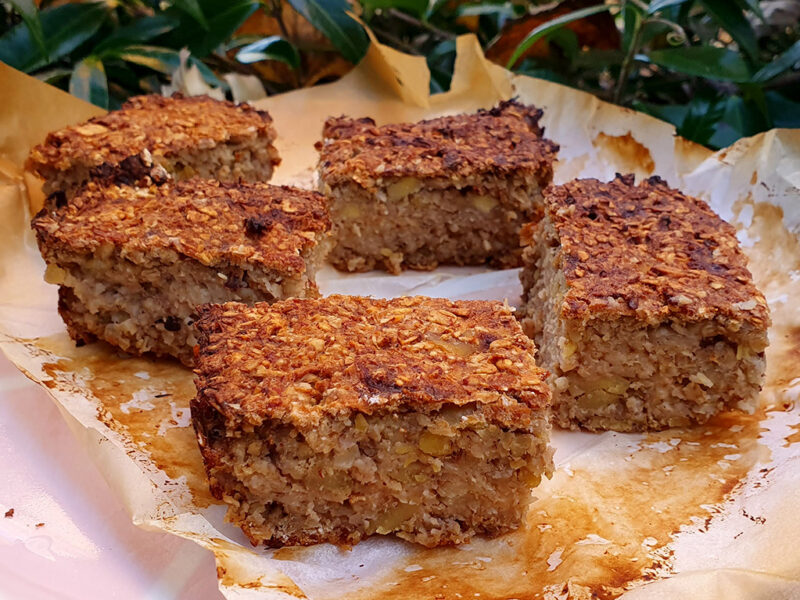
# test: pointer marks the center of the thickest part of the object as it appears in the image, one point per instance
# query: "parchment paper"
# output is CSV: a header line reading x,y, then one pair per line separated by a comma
x,y
707,512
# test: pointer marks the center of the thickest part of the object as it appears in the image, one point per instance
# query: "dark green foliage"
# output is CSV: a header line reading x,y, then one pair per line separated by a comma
x,y
269,48
717,69
104,52
331,18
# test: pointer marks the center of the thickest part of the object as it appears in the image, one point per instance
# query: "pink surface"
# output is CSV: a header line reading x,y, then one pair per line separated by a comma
x,y
87,546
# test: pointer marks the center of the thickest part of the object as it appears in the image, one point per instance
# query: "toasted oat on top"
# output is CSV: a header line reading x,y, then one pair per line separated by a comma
x,y
182,136
452,190
642,307
332,419
133,263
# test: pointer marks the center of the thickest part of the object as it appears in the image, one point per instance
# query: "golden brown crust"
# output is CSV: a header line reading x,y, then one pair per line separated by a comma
x,y
208,221
650,252
155,124
502,141
298,360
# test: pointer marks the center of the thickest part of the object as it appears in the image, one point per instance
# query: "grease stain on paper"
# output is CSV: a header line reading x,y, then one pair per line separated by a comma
x,y
151,412
626,153
792,438
235,571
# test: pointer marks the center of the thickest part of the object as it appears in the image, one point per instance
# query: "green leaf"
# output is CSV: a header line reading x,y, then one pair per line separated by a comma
x,y
543,73
192,8
433,8
656,29
18,50
567,41
53,75
700,120
88,82
733,125
507,10
121,74
270,48
545,28
671,113
166,61
732,19
331,19
224,17
441,61
208,75
657,5
65,28
239,41
30,16
742,118
163,60
753,95
703,61
140,30
782,63
632,19
785,112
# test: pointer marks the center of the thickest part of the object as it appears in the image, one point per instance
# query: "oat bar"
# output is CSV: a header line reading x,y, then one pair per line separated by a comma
x,y
642,307
179,136
332,419
452,190
133,263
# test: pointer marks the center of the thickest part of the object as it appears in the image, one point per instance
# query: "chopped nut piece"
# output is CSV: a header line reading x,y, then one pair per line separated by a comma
x,y
361,422
435,445
403,187
485,204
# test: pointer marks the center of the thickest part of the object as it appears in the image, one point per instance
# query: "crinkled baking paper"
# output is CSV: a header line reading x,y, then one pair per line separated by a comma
x,y
707,512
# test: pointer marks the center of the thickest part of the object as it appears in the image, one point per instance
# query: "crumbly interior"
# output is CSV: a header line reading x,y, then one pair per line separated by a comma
x,y
252,160
409,223
433,479
150,308
625,375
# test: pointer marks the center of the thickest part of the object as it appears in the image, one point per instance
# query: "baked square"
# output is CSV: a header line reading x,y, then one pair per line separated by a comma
x,y
453,190
154,135
332,419
642,307
133,263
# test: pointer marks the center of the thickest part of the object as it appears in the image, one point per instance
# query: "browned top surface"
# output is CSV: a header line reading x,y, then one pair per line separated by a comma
x,y
296,360
651,252
502,141
208,221
163,126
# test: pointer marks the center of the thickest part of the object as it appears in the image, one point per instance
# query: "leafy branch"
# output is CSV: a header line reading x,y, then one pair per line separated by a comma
x,y
717,69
